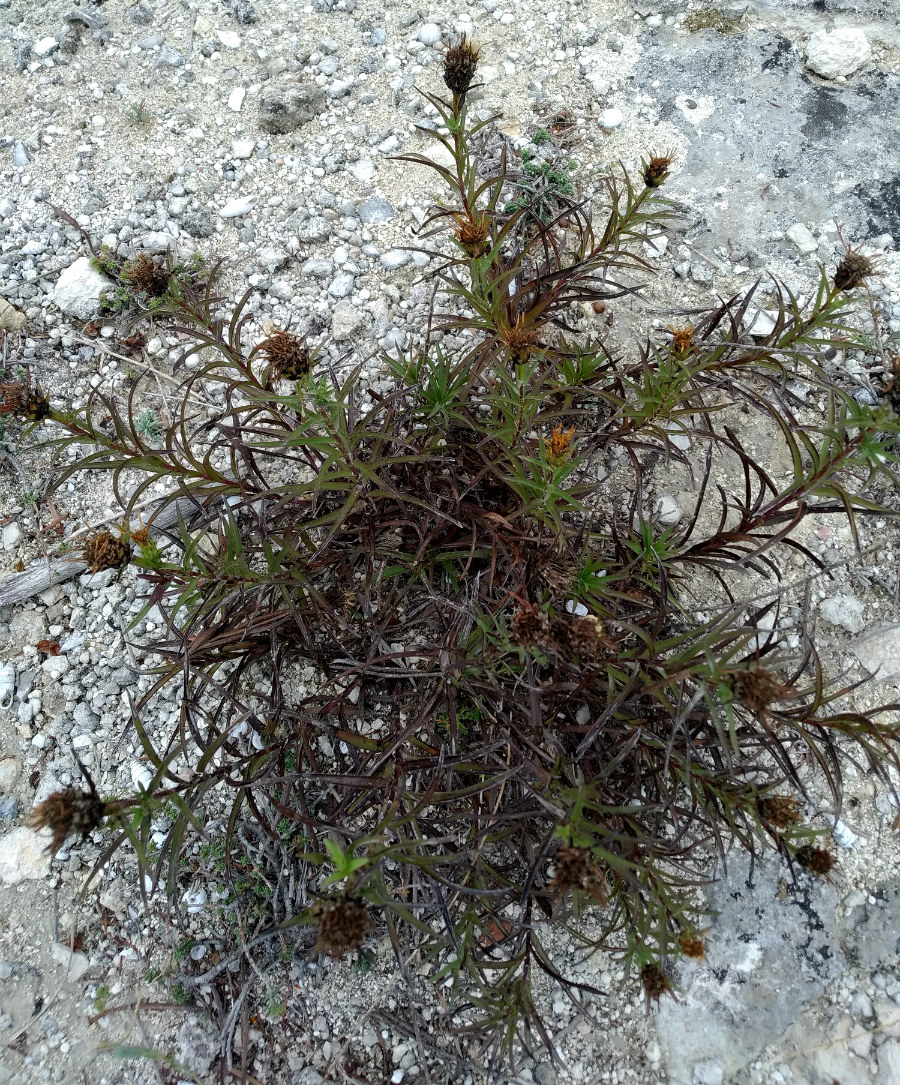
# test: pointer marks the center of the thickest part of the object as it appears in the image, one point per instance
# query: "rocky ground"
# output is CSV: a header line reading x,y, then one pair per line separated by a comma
x,y
264,132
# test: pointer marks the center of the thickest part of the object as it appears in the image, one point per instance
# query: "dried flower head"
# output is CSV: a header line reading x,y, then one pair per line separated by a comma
x,y
557,573
682,341
576,869
287,354
782,811
103,550
28,403
692,946
583,635
818,861
145,274
853,270
559,447
140,535
656,171
473,235
757,688
67,813
460,64
530,627
342,926
521,341
655,983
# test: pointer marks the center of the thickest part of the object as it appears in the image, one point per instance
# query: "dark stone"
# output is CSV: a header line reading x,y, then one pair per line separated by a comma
x,y
244,12
141,14
881,199
286,107
197,222
825,113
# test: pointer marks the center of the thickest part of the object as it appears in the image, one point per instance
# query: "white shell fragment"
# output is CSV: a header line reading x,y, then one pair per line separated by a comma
x,y
141,776
7,685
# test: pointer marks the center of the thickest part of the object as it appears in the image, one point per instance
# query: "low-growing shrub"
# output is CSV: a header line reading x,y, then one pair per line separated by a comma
x,y
440,662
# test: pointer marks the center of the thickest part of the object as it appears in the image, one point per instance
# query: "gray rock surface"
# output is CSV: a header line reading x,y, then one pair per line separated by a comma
x,y
775,945
197,1043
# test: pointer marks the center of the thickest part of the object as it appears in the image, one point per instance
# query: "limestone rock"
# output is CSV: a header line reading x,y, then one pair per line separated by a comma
x,y
198,1044
836,53
345,321
11,319
78,290
878,650
22,857
845,611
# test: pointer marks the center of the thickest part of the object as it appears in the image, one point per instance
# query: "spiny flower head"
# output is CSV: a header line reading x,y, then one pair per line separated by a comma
x,y
782,811
656,170
655,983
473,235
140,535
853,270
521,341
67,813
342,926
682,340
757,688
818,861
104,551
460,64
147,275
583,636
530,627
289,357
692,946
559,447
576,869
28,403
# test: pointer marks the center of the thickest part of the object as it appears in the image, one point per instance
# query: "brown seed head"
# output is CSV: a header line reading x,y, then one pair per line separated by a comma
x,y
576,869
460,64
530,627
757,688
521,341
656,171
782,811
147,275
557,573
853,270
67,813
287,354
343,925
655,983
583,635
816,860
28,403
104,550
473,235
692,946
